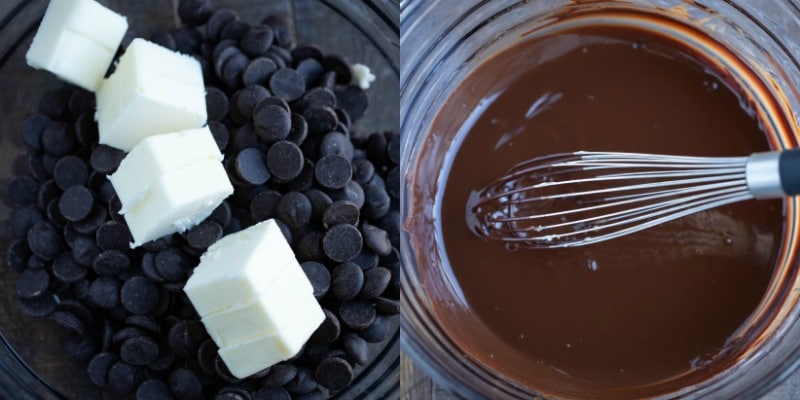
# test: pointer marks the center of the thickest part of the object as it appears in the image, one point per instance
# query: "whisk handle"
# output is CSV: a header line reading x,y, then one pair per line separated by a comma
x,y
789,169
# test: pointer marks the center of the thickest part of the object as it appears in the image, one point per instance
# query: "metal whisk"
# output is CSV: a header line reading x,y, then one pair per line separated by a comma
x,y
575,199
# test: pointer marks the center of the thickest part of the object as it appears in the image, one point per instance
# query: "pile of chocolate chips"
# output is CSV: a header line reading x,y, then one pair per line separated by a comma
x,y
283,117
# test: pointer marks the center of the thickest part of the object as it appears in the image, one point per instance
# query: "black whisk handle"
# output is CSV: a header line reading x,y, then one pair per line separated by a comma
x,y
789,169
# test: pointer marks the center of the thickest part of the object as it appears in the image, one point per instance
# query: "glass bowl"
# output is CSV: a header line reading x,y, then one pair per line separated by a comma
x,y
33,363
441,45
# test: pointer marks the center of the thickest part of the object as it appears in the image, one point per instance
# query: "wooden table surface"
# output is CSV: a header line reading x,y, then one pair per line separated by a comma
x,y
415,385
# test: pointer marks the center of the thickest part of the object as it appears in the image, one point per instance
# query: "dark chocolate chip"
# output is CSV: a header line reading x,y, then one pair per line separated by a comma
x,y
233,393
320,119
303,382
154,389
106,159
319,276
366,259
104,292
356,348
319,97
378,331
38,307
328,80
339,65
299,131
376,148
217,21
393,182
86,129
220,133
294,209
320,202
251,166
216,104
80,101
233,30
70,171
272,393
376,280
76,203
257,40
285,160
272,122
333,171
67,270
32,128
113,235
223,52
139,350
146,322
334,373
283,28
352,192
206,354
35,166
387,306
376,239
58,139
248,98
353,100
340,212
342,242
68,321
139,295
357,314
32,283
79,347
84,250
99,367
311,70
258,71
347,281
47,192
309,246
54,214
22,219
17,255
377,202
336,143
185,337
264,205
171,264
287,84
124,377
204,234
329,330
194,12
44,240
93,221
233,68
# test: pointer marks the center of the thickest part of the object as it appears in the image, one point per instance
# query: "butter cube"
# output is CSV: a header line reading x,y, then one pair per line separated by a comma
x,y
76,41
265,316
153,91
160,154
239,267
254,299
177,201
247,358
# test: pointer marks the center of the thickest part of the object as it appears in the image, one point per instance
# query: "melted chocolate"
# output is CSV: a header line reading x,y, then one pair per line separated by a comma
x,y
635,316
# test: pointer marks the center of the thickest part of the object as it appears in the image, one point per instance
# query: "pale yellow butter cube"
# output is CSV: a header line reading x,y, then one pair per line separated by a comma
x,y
76,41
158,155
239,267
249,357
177,201
289,301
153,91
